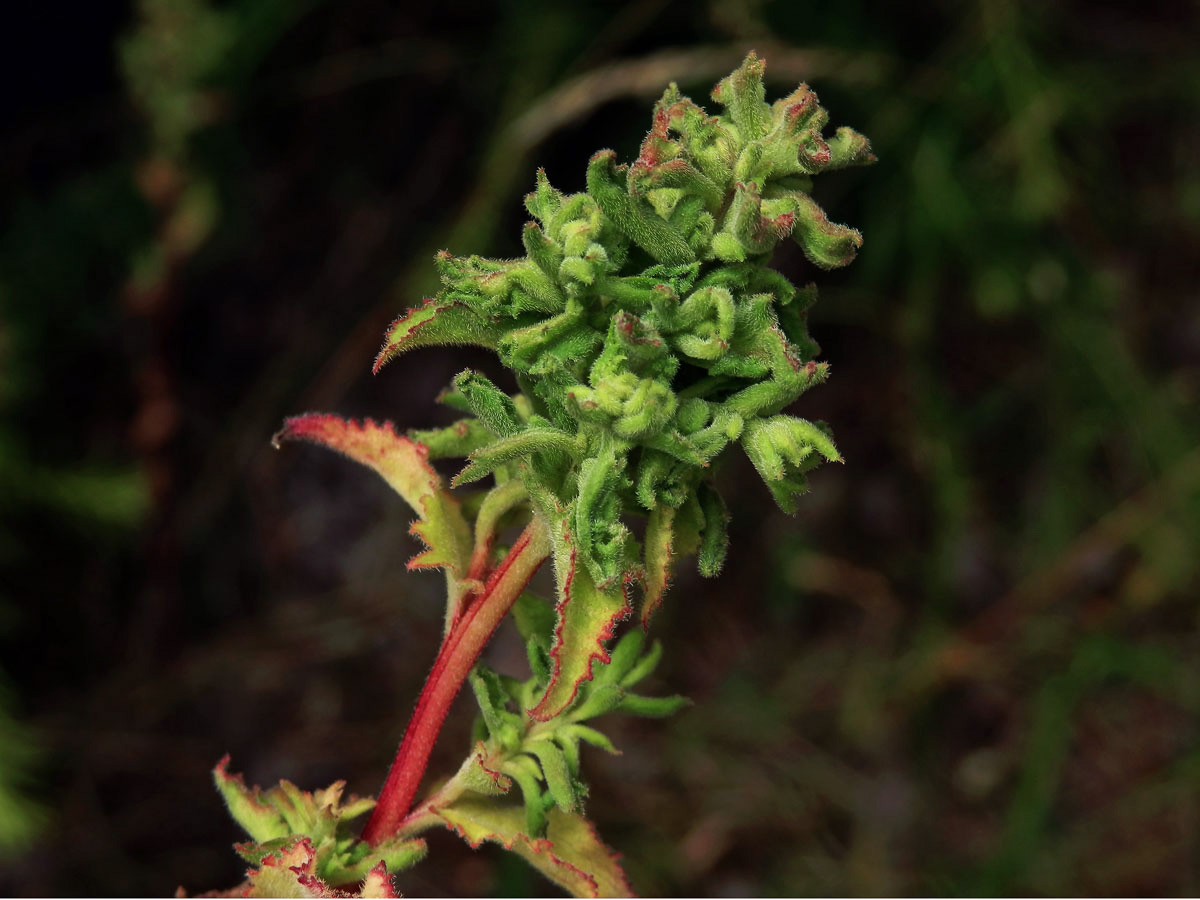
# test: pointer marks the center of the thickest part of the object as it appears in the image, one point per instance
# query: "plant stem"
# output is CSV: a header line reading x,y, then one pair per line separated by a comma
x,y
460,650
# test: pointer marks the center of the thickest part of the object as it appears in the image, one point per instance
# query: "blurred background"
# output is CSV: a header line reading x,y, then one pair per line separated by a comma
x,y
971,665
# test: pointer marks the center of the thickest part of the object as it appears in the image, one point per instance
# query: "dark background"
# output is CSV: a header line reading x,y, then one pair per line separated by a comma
x,y
971,665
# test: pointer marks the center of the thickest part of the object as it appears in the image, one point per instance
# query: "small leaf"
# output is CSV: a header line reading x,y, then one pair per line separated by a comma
x,y
623,657
292,872
516,446
590,736
249,809
660,538
461,439
503,726
634,215
714,540
378,884
646,665
434,324
570,855
652,707
554,768
494,408
479,777
528,776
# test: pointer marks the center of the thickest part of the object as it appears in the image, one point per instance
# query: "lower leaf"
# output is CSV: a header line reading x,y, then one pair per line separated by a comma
x,y
571,855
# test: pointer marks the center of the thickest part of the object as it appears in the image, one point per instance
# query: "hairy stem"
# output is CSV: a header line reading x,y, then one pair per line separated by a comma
x,y
460,650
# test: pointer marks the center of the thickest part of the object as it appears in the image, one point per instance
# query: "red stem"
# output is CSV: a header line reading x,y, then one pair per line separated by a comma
x,y
460,650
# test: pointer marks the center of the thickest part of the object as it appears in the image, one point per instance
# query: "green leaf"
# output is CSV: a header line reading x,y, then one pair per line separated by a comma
x,y
517,446
587,618
633,215
714,540
590,736
478,775
742,94
644,666
261,820
659,544
554,768
652,707
503,726
825,243
434,324
570,855
461,439
494,408
623,657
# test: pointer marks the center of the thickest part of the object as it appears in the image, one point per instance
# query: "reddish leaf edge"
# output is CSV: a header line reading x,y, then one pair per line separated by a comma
x,y
545,845
600,654
309,427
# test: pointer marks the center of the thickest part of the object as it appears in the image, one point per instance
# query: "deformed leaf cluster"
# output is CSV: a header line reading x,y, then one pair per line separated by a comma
x,y
646,328
543,758
314,831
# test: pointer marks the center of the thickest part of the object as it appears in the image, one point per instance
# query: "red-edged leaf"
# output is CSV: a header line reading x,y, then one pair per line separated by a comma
x,y
378,884
660,535
570,855
248,807
587,618
436,323
292,872
404,465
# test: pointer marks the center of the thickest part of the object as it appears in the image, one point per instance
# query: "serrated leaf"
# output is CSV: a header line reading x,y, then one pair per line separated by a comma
x,y
478,776
622,658
378,884
404,465
248,807
570,855
292,872
587,618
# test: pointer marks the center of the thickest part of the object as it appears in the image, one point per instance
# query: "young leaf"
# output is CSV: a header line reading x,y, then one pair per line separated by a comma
x,y
554,768
436,323
249,809
516,446
570,855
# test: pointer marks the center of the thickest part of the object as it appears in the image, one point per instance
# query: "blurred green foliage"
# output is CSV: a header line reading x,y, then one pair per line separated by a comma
x,y
970,667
